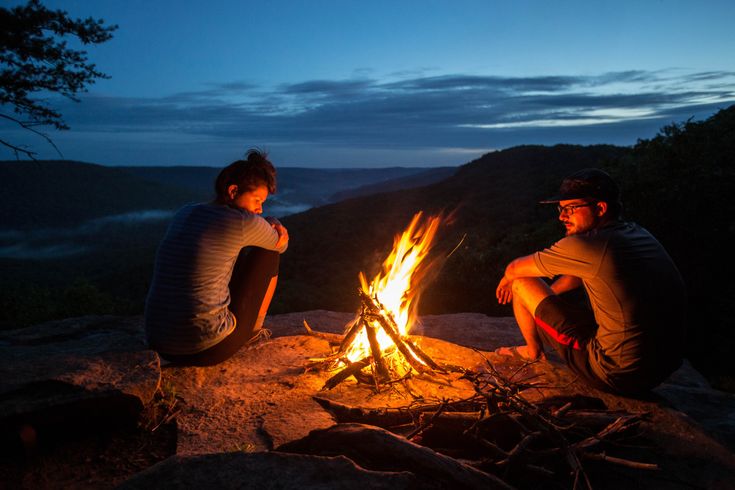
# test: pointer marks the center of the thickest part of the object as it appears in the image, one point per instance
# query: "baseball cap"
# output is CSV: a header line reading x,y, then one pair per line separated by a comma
x,y
588,183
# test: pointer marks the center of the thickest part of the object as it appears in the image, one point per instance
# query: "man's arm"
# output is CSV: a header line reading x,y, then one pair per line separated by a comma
x,y
520,267
526,267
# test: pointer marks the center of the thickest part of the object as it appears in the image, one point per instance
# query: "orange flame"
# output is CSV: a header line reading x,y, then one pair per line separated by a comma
x,y
397,286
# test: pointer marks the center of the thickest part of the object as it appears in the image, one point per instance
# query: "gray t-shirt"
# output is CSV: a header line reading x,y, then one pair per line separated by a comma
x,y
637,297
186,308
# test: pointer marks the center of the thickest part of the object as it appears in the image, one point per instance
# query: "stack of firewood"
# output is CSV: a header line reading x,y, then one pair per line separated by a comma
x,y
373,368
498,431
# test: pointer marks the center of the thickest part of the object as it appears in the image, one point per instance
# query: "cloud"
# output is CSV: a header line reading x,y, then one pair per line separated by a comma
x,y
329,88
421,112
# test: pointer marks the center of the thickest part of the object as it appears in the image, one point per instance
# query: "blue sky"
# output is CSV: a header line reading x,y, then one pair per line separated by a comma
x,y
410,83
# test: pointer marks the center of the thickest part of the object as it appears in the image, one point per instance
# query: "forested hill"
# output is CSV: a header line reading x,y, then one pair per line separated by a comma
x,y
63,193
680,186
420,179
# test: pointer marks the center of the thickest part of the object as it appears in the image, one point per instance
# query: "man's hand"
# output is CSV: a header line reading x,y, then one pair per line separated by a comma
x,y
520,267
504,292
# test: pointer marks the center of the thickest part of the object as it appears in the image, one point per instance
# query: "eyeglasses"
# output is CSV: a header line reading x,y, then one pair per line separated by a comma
x,y
569,208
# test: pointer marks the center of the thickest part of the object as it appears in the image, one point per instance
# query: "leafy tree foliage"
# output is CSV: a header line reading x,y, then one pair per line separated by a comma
x,y
35,58
679,185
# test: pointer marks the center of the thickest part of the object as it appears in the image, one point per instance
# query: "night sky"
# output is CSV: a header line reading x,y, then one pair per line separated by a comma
x,y
394,83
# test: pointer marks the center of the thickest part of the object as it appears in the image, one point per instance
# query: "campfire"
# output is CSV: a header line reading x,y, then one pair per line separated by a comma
x,y
376,348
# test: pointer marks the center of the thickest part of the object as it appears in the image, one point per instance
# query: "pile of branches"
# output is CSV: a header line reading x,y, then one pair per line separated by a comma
x,y
374,369
498,431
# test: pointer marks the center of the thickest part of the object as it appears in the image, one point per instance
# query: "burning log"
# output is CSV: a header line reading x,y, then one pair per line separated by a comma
x,y
376,312
351,334
350,370
380,367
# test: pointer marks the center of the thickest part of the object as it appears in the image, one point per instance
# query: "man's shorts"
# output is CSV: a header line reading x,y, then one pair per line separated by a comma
x,y
568,328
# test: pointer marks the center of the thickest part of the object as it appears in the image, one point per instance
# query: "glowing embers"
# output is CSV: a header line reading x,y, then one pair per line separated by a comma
x,y
376,348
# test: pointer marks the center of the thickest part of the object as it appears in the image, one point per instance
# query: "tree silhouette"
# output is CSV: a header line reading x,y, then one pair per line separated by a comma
x,y
35,59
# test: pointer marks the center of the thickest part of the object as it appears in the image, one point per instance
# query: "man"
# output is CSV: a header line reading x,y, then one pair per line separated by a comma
x,y
216,269
633,337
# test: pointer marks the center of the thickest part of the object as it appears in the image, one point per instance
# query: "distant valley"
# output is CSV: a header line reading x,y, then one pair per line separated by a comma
x,y
75,193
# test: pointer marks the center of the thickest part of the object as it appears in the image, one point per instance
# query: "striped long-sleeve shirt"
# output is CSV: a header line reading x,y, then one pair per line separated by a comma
x,y
186,308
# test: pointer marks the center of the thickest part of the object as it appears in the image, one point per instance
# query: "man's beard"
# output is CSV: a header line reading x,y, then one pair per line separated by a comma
x,y
577,230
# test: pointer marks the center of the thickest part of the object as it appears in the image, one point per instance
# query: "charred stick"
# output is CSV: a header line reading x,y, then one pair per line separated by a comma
x,y
401,345
375,312
589,419
425,423
492,447
332,338
351,334
623,462
561,411
453,368
458,418
382,417
519,448
540,470
449,424
621,424
380,367
405,377
350,370
423,356
364,378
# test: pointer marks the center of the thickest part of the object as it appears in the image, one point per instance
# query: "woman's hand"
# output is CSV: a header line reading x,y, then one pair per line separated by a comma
x,y
282,234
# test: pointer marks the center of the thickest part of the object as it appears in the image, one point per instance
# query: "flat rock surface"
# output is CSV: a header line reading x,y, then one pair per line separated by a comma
x,y
254,401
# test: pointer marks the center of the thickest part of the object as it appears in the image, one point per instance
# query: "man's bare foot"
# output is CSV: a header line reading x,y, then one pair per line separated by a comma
x,y
520,352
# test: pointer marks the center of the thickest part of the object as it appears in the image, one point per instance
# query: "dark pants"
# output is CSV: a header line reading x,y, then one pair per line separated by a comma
x,y
568,328
254,269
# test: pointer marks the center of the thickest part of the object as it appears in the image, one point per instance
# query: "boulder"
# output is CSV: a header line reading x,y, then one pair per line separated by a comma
x,y
261,470
378,449
76,372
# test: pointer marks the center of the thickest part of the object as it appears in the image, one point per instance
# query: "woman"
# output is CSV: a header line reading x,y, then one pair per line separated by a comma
x,y
216,269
